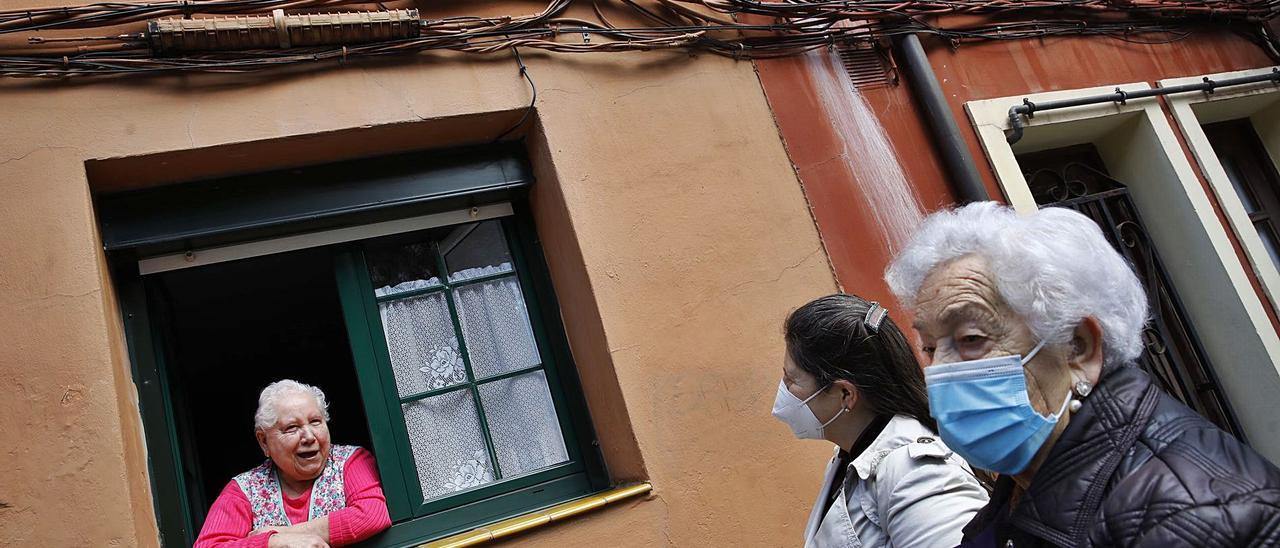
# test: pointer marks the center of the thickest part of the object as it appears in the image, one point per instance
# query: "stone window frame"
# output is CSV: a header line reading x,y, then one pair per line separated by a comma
x,y
1257,103
1230,317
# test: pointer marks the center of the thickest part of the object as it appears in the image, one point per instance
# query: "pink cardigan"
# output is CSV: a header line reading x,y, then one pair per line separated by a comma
x,y
230,520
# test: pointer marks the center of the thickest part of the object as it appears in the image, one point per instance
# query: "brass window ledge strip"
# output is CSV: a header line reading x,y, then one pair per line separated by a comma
x,y
540,518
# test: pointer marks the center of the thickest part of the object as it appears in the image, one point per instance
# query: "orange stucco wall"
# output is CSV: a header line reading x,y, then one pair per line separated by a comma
x,y
675,228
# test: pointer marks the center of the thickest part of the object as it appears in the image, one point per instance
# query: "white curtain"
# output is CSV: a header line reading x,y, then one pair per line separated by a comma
x,y
445,430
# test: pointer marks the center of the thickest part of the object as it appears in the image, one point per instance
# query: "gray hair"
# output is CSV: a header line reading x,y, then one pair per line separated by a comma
x,y
265,417
1054,268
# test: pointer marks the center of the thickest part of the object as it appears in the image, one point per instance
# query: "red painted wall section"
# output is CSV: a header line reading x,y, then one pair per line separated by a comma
x,y
843,215
970,72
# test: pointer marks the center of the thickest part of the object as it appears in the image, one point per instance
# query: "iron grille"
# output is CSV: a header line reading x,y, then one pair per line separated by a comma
x,y
1075,178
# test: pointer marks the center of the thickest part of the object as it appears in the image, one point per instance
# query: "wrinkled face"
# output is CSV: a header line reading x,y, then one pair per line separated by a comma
x,y
298,443
960,316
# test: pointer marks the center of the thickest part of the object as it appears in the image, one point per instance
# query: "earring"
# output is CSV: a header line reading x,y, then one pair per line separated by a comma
x,y
1082,388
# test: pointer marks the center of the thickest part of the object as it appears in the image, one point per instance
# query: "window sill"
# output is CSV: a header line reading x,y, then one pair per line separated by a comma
x,y
534,520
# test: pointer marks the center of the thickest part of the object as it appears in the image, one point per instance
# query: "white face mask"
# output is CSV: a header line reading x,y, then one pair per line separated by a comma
x,y
795,413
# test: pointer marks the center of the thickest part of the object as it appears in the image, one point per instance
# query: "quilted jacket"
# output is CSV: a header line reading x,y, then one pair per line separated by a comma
x,y
1135,467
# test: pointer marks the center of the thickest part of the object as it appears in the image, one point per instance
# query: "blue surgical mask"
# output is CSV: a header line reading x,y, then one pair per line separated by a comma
x,y
983,412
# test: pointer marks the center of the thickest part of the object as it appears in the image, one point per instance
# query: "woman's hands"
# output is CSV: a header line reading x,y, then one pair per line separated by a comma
x,y
287,539
300,534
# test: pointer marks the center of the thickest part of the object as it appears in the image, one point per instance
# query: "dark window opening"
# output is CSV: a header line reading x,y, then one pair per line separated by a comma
x,y
414,280
1253,175
232,328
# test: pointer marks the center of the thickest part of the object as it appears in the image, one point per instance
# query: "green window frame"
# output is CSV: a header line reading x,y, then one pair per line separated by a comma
x,y
415,517
388,426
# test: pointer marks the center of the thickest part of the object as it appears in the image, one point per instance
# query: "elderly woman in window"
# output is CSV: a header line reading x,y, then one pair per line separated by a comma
x,y
1032,325
308,493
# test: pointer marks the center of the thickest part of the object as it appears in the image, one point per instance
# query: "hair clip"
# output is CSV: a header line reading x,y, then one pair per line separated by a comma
x,y
875,316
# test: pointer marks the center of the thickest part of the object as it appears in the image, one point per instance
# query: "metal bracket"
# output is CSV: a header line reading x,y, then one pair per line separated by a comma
x,y
1031,108
1124,97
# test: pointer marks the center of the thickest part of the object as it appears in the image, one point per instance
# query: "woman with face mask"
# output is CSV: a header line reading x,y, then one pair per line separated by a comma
x,y
1033,326
850,378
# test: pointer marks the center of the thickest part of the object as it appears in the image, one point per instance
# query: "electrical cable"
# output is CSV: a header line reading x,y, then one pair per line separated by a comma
x,y
788,27
524,71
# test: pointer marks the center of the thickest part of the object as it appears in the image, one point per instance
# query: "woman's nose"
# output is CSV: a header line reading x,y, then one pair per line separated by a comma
x,y
308,434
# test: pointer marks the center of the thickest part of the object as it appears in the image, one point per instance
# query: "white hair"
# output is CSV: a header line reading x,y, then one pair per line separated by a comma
x,y
265,417
1053,268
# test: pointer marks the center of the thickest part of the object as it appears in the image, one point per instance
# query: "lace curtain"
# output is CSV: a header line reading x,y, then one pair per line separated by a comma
x,y
446,431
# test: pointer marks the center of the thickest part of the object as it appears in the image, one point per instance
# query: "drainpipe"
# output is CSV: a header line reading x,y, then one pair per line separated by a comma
x,y
965,178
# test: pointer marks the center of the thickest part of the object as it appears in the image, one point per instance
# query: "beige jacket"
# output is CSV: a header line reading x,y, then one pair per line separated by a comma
x,y
906,490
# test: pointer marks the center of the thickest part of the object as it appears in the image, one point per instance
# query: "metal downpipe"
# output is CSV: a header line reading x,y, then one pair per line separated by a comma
x,y
965,177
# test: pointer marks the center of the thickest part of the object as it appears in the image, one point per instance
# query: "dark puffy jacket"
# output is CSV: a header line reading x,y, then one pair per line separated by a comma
x,y
1135,467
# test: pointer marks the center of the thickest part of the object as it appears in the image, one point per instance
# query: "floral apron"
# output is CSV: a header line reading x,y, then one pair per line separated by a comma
x,y
262,487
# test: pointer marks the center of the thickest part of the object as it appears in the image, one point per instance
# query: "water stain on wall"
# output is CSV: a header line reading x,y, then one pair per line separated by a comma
x,y
867,150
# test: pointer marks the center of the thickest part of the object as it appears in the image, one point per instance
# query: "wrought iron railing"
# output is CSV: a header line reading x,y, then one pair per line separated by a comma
x,y
1172,354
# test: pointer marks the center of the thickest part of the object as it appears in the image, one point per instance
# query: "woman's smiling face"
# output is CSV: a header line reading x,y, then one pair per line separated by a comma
x,y
298,443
